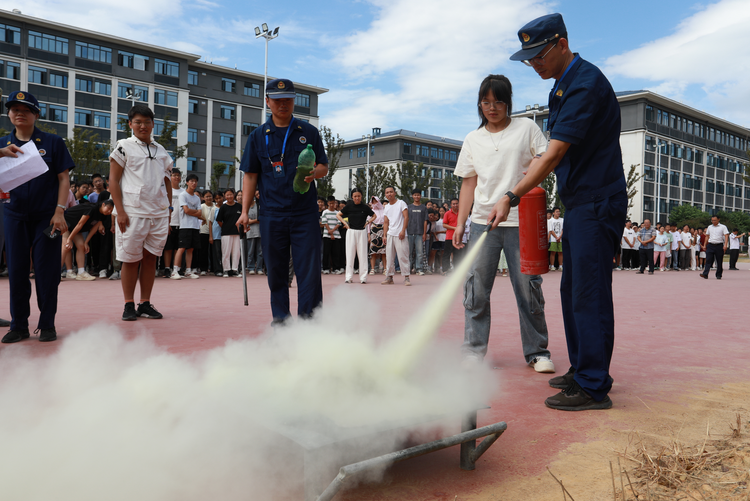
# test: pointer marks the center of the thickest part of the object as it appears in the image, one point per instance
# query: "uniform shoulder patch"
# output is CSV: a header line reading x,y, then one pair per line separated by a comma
x,y
42,152
39,140
559,93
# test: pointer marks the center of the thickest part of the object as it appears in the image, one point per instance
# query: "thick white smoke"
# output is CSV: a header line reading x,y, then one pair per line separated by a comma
x,y
109,418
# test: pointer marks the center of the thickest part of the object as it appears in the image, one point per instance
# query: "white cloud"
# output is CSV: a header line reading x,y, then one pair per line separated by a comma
x,y
418,56
704,52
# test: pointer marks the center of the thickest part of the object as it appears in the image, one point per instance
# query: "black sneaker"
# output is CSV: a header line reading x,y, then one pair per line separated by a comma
x,y
129,313
147,310
167,273
4,323
562,382
47,335
573,398
16,336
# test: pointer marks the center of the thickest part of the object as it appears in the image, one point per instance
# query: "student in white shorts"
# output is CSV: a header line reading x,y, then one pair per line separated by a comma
x,y
140,185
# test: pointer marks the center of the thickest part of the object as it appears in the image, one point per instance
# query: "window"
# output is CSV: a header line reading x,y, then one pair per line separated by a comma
x,y
437,173
10,34
227,112
50,43
361,152
248,127
302,100
57,113
698,157
663,176
452,156
192,77
710,188
141,93
158,127
192,135
83,117
226,140
687,181
86,84
252,90
648,204
407,148
192,106
121,121
12,71
719,187
228,85
665,118
673,121
674,178
164,67
372,150
130,60
689,126
697,183
165,97
433,152
192,163
94,52
224,168
101,119
649,113
650,143
648,173
58,80
37,75
351,153
689,154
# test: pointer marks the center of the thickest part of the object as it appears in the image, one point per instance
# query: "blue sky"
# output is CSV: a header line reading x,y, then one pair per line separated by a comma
x,y
417,64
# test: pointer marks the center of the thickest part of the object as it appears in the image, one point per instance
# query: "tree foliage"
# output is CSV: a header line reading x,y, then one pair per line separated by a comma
x,y
89,155
690,215
168,142
632,178
334,149
451,186
412,177
380,177
219,170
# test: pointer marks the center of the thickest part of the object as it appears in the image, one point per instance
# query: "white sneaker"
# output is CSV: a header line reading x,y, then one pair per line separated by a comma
x,y
225,275
175,275
259,272
115,276
325,272
340,271
543,364
192,275
372,272
85,276
471,361
103,274
251,272
551,268
70,274
421,273
203,273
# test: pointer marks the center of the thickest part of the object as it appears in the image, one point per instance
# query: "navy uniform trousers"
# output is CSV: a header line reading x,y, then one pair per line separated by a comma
x,y
25,240
301,233
592,232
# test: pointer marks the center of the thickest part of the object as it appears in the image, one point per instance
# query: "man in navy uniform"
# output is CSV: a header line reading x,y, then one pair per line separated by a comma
x,y
287,219
34,206
584,150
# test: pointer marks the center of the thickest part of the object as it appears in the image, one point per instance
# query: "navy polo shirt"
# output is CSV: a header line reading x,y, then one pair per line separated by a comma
x,y
277,194
585,113
37,198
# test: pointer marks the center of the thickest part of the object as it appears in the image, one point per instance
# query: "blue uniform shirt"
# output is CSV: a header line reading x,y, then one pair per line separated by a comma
x,y
585,113
37,198
276,191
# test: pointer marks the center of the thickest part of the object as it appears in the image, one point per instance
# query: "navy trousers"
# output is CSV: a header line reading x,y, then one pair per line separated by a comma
x,y
25,240
301,234
592,233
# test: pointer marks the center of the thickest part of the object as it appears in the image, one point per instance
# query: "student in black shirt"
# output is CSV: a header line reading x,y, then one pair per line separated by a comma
x,y
356,236
82,218
227,218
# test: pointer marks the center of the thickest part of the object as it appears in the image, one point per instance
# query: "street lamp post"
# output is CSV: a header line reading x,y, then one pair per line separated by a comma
x,y
268,35
658,181
367,169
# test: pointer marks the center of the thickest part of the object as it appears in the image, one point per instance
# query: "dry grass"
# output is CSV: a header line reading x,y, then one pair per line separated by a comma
x,y
711,470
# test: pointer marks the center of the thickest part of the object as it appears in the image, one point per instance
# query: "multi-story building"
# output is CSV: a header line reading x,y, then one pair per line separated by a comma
x,y
700,159
437,154
90,80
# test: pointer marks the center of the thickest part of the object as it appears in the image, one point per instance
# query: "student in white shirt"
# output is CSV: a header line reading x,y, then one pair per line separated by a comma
x,y
555,231
396,216
718,241
734,248
628,246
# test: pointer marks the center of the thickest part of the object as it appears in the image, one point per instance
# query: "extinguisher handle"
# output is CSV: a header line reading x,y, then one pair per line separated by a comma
x,y
489,225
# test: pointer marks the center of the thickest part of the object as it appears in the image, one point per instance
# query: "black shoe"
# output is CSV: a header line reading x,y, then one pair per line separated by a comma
x,y
16,336
4,323
147,310
47,335
562,382
718,278
167,273
704,276
129,312
573,398
650,272
639,273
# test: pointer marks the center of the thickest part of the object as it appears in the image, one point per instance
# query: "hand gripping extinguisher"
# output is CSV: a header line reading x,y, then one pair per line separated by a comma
x,y
532,232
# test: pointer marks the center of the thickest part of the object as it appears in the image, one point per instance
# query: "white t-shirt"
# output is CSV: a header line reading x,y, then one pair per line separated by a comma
x,y
555,225
438,227
660,244
676,237
175,220
734,241
206,212
499,161
193,202
716,233
630,234
143,191
687,240
395,215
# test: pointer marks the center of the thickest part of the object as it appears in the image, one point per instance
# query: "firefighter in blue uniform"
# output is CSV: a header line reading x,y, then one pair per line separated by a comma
x,y
34,206
584,151
288,220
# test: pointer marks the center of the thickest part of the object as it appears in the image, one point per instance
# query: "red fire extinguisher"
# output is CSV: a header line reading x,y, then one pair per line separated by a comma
x,y
532,232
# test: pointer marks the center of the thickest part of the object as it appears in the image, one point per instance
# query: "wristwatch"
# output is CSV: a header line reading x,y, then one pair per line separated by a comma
x,y
514,200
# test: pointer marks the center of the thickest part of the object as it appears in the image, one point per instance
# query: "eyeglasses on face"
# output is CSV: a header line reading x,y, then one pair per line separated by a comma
x,y
539,60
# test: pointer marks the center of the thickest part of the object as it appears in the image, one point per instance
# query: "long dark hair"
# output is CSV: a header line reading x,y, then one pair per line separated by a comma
x,y
502,90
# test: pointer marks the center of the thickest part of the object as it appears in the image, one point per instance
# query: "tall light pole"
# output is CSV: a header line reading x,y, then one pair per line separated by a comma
x,y
133,95
658,180
268,35
367,169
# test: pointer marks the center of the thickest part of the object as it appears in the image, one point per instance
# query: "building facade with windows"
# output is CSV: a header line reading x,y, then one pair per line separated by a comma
x,y
685,156
91,80
437,154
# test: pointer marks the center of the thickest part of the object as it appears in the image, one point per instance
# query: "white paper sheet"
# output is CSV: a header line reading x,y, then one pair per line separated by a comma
x,y
16,171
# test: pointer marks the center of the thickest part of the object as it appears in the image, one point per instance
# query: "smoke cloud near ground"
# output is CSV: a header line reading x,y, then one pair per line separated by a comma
x,y
106,417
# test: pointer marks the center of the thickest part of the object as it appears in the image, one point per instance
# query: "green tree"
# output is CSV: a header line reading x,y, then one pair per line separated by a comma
x,y
334,149
631,180
167,140
218,170
89,155
451,186
732,220
689,214
380,177
412,177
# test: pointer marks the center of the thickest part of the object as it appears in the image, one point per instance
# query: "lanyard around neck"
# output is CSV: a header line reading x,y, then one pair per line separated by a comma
x,y
283,147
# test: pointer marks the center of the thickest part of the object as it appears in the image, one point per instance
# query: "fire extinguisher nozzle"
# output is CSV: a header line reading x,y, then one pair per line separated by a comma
x,y
489,225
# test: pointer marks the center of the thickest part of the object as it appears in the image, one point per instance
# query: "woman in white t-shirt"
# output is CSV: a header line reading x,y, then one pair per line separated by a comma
x,y
660,248
493,159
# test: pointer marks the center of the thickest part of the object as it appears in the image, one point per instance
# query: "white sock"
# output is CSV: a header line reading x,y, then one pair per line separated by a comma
x,y
187,271
81,270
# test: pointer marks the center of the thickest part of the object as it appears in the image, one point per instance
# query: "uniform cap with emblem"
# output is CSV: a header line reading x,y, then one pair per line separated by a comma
x,y
20,97
280,88
537,34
